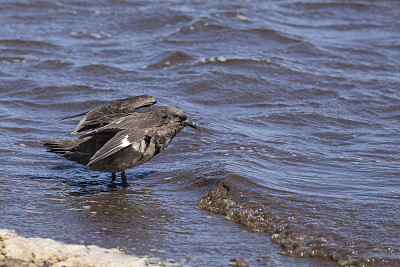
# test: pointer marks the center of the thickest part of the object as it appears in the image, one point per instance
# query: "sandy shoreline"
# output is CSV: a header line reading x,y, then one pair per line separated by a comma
x,y
20,251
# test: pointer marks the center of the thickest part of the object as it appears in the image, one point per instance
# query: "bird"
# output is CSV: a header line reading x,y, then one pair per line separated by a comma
x,y
118,137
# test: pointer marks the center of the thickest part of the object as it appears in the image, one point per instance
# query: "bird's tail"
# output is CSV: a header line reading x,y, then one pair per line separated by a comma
x,y
73,149
61,146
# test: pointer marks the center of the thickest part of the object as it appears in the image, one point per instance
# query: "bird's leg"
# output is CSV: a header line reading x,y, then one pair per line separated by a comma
x,y
124,179
113,176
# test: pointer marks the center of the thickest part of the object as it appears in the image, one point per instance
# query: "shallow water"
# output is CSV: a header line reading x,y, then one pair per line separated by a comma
x,y
299,114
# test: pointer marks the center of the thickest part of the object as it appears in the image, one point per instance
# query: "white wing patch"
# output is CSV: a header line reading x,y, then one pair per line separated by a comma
x,y
112,146
125,142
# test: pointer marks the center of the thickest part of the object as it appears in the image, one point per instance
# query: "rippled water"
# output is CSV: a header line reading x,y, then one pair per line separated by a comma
x,y
297,154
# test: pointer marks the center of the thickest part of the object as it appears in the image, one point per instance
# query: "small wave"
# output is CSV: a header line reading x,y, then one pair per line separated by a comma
x,y
315,119
296,239
13,43
91,35
35,4
205,30
234,61
50,64
21,104
318,93
155,20
62,89
2,74
274,35
299,5
196,27
39,94
104,70
15,60
16,85
170,60
21,130
53,64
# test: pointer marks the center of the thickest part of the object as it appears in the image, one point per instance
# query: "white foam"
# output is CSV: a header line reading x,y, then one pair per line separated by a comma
x,y
221,59
242,18
95,35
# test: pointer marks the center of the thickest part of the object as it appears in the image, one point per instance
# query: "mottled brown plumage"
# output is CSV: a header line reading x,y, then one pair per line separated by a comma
x,y
124,142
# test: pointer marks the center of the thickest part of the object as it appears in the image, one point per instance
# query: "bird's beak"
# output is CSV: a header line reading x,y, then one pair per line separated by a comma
x,y
189,123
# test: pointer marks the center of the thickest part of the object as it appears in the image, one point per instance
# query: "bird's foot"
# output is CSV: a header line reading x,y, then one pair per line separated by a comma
x,y
112,185
124,179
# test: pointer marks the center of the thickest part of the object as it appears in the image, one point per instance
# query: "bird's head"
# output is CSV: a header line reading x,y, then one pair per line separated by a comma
x,y
178,115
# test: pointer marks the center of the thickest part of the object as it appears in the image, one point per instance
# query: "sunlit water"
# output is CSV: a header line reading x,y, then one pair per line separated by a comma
x,y
299,114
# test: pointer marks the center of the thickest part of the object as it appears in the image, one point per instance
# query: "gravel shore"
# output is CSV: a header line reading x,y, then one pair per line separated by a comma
x,y
19,251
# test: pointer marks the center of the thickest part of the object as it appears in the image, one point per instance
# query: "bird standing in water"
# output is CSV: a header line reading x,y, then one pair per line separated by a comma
x,y
120,137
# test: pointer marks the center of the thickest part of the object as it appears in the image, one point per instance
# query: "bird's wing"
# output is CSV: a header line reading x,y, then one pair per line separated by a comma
x,y
135,130
118,142
97,122
104,115
136,121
